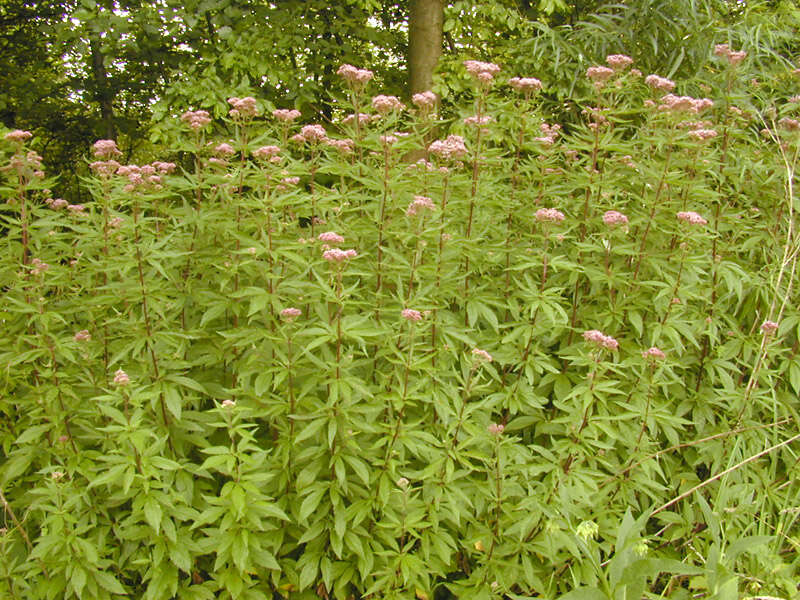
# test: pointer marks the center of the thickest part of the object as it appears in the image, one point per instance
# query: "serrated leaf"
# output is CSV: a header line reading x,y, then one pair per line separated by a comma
x,y
153,513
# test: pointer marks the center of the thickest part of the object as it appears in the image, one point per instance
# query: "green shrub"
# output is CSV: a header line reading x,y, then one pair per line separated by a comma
x,y
549,361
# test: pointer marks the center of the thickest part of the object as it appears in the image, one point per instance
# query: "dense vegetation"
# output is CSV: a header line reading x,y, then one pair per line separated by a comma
x,y
538,339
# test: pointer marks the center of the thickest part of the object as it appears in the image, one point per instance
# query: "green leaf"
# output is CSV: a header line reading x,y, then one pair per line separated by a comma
x,y
109,582
153,513
585,593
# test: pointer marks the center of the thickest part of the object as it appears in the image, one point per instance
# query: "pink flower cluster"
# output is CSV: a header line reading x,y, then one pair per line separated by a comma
x,y
659,83
56,204
269,153
286,115
484,72
476,121
612,218
354,76
673,103
242,108
121,378
83,336
424,101
496,429
290,314
599,75
331,237
39,266
165,168
196,119
311,133
144,176
363,119
104,168
105,149
29,164
702,135
336,255
409,314
18,136
525,84
481,355
694,125
386,104
789,124
451,148
601,340
691,218
549,215
550,132
653,354
769,327
345,146
388,140
619,62
419,205
224,150
733,57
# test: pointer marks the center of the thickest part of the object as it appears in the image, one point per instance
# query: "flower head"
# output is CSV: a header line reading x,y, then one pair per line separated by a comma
x,y
702,135
331,237
242,108
481,355
286,115
769,327
550,133
419,205
105,149
452,148
659,83
290,314
587,530
409,314
599,75
336,255
313,133
353,76
733,57
612,218
525,84
484,72
83,336
121,378
18,136
386,104
425,101
691,218
196,119
549,215
496,429
618,62
266,152
224,150
601,340
653,354
39,266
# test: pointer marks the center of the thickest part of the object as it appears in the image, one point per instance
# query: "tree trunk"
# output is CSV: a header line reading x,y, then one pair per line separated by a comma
x,y
425,26
103,93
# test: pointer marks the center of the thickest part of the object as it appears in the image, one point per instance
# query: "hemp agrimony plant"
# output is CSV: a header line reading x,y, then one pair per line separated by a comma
x,y
552,355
